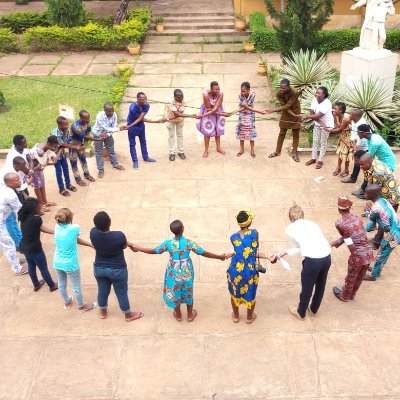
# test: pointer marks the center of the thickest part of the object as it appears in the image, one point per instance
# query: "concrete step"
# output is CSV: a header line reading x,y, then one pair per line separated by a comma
x,y
195,14
197,25
195,32
198,18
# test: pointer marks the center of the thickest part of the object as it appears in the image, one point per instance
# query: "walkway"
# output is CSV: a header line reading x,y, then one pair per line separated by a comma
x,y
349,351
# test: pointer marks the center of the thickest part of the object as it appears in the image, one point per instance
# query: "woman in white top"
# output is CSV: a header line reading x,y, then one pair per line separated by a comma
x,y
321,114
310,242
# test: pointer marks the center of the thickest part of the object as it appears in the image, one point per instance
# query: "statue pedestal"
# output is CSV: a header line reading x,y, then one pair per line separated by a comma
x,y
359,63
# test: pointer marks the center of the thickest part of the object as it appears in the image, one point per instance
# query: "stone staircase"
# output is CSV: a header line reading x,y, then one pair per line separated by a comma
x,y
192,26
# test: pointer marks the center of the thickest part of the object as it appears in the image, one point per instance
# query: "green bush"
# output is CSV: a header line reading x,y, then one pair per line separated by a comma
x,y
66,13
141,14
339,39
2,100
257,21
21,2
19,22
8,41
118,91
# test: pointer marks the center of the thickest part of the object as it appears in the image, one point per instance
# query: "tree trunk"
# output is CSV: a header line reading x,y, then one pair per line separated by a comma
x,y
283,6
122,12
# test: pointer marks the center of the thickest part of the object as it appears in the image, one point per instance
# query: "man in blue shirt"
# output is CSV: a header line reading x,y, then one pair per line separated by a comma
x,y
136,127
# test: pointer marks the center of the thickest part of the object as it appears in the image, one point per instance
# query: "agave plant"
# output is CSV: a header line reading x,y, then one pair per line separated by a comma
x,y
372,96
304,69
395,116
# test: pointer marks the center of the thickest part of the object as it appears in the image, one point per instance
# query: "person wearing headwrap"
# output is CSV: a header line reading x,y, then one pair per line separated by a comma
x,y
242,273
354,235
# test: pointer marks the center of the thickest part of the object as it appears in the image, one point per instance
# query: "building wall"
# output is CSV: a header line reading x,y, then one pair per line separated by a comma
x,y
342,16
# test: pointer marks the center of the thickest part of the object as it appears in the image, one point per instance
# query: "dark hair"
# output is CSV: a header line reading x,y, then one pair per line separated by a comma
x,y
213,83
325,90
177,91
102,221
52,139
82,113
242,217
60,119
29,206
285,81
359,153
364,128
108,105
140,94
341,106
17,139
176,227
245,85
18,159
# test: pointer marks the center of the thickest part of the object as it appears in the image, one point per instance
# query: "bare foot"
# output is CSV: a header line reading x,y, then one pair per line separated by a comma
x,y
50,204
192,315
205,154
235,319
132,315
87,307
223,152
177,317
103,313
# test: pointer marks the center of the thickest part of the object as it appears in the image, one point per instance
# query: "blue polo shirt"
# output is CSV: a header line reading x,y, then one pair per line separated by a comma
x,y
378,148
134,112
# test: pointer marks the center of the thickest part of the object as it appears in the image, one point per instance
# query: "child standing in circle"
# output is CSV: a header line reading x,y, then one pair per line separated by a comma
x,y
66,263
31,246
246,127
179,275
242,273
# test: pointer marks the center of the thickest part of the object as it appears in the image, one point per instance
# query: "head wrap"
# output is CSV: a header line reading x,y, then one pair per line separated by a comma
x,y
250,217
344,203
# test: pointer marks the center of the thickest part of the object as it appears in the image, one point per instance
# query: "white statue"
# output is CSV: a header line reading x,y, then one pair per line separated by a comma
x,y
373,33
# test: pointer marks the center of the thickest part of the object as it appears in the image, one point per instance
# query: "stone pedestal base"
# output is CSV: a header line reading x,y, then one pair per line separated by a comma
x,y
359,63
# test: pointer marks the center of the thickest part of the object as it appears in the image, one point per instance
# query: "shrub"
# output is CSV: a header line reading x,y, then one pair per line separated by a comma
x,y
257,20
338,39
21,2
66,13
263,38
118,91
141,14
19,22
52,38
8,40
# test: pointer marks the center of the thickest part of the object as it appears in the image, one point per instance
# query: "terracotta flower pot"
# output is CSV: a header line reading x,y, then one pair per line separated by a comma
x,y
160,27
262,69
248,47
134,50
240,24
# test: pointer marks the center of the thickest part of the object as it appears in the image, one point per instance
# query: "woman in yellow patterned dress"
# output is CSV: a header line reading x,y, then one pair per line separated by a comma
x,y
242,273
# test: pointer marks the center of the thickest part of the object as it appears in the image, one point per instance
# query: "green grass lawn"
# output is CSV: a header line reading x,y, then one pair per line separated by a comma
x,y
33,105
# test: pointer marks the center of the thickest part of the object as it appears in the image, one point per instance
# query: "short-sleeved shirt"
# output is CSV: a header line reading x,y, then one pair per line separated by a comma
x,y
179,249
362,144
30,229
79,130
325,108
171,106
12,153
109,248
9,203
134,113
66,251
378,148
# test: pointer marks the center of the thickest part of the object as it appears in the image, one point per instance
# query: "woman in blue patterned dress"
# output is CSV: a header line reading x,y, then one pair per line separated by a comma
x,y
242,273
179,275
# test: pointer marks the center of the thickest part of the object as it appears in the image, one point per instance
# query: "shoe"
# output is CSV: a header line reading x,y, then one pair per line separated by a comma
x,y
100,174
337,292
135,165
293,311
150,160
172,157
368,277
349,179
38,287
182,156
119,167
361,196
357,192
54,288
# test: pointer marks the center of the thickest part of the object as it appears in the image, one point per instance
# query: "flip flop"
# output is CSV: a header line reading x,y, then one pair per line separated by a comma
x,y
310,162
176,317
67,306
90,308
81,183
274,154
295,157
239,154
72,188
253,155
140,315
194,315
90,178
252,320
344,174
50,204
337,172
319,165
235,320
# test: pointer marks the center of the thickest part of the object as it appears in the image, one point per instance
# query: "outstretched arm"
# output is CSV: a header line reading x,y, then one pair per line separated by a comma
x,y
135,248
208,254
45,229
85,243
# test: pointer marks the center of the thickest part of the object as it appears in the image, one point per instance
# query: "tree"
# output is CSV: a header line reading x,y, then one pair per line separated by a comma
x,y
66,13
299,23
122,12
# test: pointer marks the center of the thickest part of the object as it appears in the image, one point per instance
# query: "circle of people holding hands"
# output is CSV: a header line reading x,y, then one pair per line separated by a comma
x,y
21,223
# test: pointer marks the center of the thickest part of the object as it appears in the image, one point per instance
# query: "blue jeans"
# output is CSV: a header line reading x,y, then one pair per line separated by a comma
x,y
61,167
132,144
13,229
38,260
75,278
117,277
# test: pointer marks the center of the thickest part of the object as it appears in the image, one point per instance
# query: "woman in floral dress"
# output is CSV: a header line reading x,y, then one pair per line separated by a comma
x,y
242,273
179,275
246,127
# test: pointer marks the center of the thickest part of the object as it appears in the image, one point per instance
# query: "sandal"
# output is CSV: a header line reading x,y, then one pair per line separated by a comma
x,y
194,315
310,162
179,319
250,321
319,165
295,157
235,320
44,209
274,154
81,183
72,188
89,307
90,178
344,173
64,193
68,304
239,154
50,204
253,155
337,172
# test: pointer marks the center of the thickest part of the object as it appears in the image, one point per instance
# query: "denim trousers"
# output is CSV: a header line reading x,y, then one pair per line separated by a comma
x,y
38,260
61,167
75,278
116,277
143,144
13,229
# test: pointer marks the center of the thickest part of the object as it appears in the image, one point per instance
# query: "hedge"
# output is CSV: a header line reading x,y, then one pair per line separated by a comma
x,y
19,22
332,40
8,41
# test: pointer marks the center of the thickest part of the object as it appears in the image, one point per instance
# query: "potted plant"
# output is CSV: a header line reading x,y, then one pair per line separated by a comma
x,y
262,67
240,22
159,23
134,48
248,46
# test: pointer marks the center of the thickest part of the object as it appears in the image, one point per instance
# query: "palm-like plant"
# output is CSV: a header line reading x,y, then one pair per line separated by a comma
x,y
395,116
373,97
304,69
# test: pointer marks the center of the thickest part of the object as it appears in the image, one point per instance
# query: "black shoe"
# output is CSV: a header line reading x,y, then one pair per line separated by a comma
x,y
172,157
349,179
358,192
182,156
361,197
